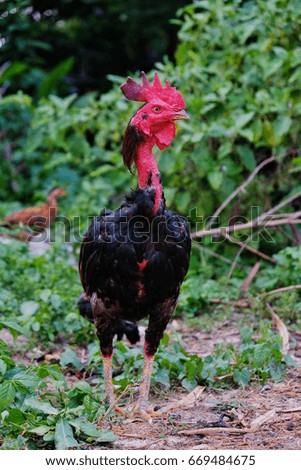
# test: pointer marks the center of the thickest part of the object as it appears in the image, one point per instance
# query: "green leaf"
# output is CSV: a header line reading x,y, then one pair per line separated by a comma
x,y
242,377
40,430
246,157
69,357
83,387
243,120
13,70
3,367
63,436
276,369
162,376
26,379
55,76
282,125
7,394
34,403
91,430
15,416
215,179
13,327
45,294
29,308
189,384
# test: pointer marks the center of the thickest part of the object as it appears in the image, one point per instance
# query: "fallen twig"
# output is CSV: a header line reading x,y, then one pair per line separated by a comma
x,y
254,426
292,410
238,303
114,405
211,431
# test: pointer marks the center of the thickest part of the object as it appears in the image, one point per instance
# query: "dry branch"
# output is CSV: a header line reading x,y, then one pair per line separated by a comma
x,y
250,277
281,204
281,289
215,255
242,187
224,231
292,410
273,158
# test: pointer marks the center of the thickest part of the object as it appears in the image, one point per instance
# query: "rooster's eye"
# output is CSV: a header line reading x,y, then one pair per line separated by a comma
x,y
156,109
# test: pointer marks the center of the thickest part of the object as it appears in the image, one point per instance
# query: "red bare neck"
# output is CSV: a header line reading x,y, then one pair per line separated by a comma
x,y
148,173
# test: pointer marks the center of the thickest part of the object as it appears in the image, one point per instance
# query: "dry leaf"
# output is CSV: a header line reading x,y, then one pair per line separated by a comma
x,y
257,422
186,402
282,330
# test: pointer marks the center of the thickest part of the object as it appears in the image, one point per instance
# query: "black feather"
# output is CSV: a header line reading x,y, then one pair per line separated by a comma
x,y
127,328
114,245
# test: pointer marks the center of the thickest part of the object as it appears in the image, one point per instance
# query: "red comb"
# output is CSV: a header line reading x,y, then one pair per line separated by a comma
x,y
149,92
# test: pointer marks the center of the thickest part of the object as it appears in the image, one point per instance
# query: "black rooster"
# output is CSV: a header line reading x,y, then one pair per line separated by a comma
x,y
133,260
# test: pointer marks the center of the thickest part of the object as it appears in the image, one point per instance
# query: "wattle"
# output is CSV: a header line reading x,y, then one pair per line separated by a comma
x,y
165,135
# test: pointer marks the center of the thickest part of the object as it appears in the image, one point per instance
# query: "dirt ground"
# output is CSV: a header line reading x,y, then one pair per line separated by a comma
x,y
266,417
258,417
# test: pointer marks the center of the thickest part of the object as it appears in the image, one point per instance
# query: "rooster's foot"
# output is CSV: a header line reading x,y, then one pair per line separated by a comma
x,y
145,414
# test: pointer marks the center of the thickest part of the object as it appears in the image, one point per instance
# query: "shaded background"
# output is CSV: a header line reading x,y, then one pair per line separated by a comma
x,y
84,40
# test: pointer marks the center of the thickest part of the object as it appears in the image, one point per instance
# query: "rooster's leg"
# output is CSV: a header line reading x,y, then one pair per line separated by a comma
x,y
109,388
157,324
141,406
107,373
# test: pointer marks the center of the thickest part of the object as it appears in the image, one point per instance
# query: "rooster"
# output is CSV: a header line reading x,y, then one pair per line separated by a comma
x,y
133,259
37,218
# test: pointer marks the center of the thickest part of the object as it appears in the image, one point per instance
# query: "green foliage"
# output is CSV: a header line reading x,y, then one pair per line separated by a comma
x,y
252,112
40,293
259,356
238,65
33,417
287,272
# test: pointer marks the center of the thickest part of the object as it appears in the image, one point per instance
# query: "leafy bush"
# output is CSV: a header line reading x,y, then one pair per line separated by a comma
x,y
238,65
34,417
40,292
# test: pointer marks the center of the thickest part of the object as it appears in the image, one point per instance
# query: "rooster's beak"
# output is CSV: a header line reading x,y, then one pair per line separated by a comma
x,y
181,115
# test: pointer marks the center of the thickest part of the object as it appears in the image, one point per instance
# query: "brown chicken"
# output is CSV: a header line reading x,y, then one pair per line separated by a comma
x,y
37,218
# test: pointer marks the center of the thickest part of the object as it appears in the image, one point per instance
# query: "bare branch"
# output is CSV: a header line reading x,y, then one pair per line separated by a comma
x,y
245,246
250,276
250,178
283,203
215,255
281,289
224,231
